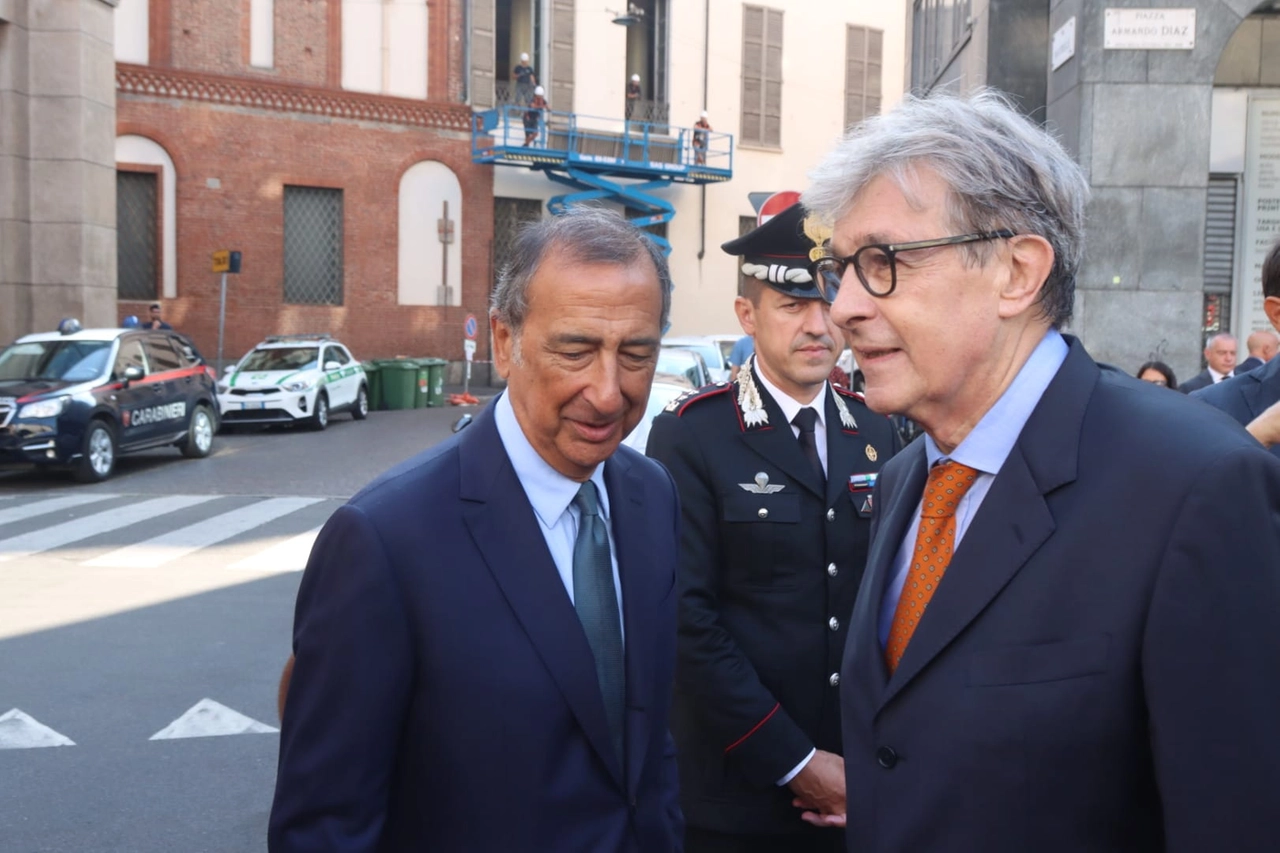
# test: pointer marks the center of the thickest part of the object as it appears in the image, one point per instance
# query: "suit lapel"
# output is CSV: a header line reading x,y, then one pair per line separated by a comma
x,y
632,536
1013,521
1256,383
778,445
506,532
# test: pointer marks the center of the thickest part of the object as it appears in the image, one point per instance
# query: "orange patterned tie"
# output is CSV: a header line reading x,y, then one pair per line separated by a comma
x,y
947,484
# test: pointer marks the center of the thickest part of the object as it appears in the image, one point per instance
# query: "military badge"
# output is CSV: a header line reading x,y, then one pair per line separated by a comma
x,y
761,486
753,411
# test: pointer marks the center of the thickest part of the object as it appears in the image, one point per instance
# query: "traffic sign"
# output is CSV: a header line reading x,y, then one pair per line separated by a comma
x,y
469,347
471,327
221,261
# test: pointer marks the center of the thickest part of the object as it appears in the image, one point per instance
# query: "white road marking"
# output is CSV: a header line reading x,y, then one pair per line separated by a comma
x,y
20,731
208,718
48,505
287,556
179,543
48,538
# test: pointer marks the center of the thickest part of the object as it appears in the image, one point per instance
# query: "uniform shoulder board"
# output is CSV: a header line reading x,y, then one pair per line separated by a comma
x,y
693,395
845,392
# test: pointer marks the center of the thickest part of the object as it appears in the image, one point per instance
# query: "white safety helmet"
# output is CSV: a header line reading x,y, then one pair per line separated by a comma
x,y
635,78
704,114
538,90
524,57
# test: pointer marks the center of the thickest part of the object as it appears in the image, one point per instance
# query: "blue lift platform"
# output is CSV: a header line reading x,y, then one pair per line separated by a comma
x,y
617,160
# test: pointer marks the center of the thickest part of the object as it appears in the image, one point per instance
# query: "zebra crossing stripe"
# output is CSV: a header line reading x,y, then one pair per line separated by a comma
x,y
287,556
179,543
105,521
48,505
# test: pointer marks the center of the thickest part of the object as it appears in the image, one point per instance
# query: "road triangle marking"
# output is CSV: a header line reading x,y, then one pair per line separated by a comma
x,y
208,718
21,731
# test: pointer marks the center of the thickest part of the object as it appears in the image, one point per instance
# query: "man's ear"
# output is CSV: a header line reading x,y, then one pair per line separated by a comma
x,y
1271,305
504,341
743,307
1030,261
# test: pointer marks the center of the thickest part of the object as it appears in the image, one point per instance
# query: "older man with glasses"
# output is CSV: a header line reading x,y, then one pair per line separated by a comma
x,y
1066,637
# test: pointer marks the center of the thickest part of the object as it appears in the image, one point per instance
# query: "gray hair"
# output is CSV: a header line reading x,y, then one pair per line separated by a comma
x,y
585,235
1002,170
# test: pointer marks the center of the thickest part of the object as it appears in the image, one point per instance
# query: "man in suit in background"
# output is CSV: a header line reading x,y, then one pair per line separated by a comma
x,y
1220,353
775,474
1248,395
1262,346
1066,636
485,636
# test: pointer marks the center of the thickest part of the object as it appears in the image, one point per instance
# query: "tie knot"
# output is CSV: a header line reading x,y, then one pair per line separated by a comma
x,y
586,499
948,483
805,419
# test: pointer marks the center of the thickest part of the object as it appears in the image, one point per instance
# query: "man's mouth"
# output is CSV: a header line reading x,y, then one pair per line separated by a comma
x,y
871,354
595,431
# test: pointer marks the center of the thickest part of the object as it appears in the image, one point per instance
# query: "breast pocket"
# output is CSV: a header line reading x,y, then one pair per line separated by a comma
x,y
1043,662
759,531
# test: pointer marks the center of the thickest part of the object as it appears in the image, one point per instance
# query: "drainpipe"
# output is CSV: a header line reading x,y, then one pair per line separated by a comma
x,y
706,55
466,51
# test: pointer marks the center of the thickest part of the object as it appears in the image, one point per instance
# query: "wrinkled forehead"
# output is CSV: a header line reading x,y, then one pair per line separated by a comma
x,y
912,187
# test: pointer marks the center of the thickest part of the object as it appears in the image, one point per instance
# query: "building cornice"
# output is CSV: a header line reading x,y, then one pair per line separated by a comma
x,y
267,95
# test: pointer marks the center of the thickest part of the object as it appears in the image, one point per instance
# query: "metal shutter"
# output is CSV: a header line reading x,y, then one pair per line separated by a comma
x,y
1220,234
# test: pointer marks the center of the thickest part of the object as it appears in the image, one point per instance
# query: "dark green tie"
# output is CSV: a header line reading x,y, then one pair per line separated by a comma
x,y
596,601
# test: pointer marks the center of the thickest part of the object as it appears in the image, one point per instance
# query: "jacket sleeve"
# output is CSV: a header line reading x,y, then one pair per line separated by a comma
x,y
1211,650
734,708
347,698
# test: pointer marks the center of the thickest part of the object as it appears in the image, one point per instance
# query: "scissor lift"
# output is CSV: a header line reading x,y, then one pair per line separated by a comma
x,y
617,160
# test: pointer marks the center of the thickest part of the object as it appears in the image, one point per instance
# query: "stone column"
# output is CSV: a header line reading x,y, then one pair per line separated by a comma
x,y
57,165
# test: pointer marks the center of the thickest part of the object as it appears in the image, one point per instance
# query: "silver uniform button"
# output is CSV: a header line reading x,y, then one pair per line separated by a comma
x,y
763,513
834,623
831,515
832,570
834,679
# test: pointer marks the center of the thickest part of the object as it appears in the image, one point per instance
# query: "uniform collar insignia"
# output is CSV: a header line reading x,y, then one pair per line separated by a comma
x,y
761,485
846,417
749,400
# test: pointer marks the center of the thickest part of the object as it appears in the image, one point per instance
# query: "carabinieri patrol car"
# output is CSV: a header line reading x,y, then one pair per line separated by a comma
x,y
294,379
79,398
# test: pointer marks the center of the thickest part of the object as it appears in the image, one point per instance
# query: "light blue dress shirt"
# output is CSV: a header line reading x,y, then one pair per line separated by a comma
x,y
551,494
984,449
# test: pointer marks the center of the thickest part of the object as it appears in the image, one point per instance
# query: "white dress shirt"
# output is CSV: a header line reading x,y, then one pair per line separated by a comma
x,y
1218,377
551,494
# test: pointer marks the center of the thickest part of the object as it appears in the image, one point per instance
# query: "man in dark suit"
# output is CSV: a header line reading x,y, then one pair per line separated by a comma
x,y
1220,354
485,636
1261,346
1247,396
775,474
1066,636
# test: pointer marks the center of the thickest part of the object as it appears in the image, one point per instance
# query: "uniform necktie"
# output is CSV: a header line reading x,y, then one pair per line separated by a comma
x,y
805,420
596,601
935,541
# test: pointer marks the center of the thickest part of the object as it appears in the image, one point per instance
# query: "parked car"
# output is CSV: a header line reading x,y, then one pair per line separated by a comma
x,y
665,388
290,379
78,399
683,362
717,360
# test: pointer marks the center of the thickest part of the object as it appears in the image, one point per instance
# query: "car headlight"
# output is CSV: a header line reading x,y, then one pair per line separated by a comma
x,y
44,408
223,387
299,385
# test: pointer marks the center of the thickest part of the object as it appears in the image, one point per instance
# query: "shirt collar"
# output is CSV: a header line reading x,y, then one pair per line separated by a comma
x,y
790,406
989,443
1216,376
549,491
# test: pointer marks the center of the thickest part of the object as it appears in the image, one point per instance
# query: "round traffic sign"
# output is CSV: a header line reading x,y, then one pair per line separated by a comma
x,y
471,327
775,204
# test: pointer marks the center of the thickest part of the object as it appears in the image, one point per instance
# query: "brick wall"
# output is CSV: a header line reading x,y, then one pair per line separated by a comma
x,y
250,155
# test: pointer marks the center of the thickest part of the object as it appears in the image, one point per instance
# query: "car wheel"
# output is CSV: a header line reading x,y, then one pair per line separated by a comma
x,y
98,455
360,409
320,419
199,440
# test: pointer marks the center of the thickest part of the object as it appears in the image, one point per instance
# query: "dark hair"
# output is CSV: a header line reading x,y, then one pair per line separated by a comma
x,y
155,305
1159,367
1271,272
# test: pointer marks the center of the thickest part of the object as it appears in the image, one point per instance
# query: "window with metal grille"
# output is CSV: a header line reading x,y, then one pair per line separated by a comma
x,y
939,28
746,224
761,76
864,56
137,264
508,215
659,229
312,246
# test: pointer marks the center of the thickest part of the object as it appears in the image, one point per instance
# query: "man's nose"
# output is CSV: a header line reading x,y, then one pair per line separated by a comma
x,y
604,392
853,303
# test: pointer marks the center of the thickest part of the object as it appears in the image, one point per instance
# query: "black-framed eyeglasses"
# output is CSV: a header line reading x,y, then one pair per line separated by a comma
x,y
876,264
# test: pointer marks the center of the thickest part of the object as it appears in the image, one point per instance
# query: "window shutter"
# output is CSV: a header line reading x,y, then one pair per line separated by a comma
x,y
752,74
482,54
1220,234
561,90
773,79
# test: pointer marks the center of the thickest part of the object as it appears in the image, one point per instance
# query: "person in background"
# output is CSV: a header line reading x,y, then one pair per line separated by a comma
x,y
1262,346
742,350
701,136
156,321
633,94
1220,353
533,116
1158,373
525,80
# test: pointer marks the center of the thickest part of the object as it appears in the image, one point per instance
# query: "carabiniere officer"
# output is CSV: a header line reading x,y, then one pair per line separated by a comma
x,y
775,474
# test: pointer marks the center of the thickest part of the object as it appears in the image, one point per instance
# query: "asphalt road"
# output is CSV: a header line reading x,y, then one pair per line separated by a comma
x,y
160,603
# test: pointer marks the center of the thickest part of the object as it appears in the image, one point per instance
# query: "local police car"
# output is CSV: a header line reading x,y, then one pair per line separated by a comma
x,y
79,398
291,379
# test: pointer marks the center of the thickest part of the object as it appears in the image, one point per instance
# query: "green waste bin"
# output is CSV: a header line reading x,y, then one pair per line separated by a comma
x,y
399,380
374,381
433,379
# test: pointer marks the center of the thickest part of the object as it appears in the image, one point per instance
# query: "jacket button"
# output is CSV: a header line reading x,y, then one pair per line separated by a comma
x,y
834,680
831,515
832,570
886,757
833,623
763,513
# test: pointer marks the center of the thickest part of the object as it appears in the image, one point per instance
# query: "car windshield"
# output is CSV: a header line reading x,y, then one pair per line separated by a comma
x,y
682,362
65,361
281,358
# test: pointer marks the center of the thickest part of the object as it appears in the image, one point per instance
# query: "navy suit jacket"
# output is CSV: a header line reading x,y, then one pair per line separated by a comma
x,y
444,696
1245,396
1098,668
1195,383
